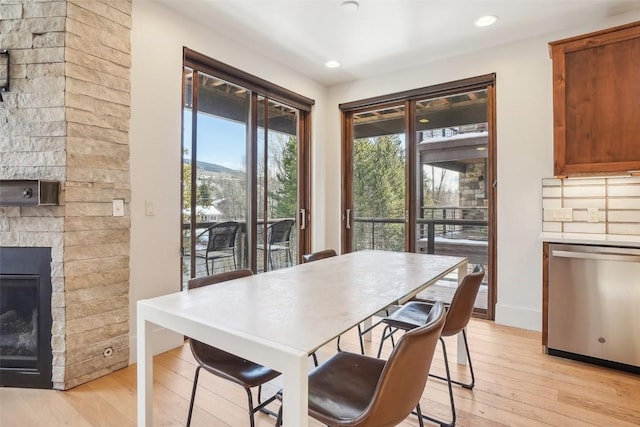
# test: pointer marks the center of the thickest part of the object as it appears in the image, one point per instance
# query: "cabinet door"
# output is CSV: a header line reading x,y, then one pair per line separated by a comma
x,y
596,95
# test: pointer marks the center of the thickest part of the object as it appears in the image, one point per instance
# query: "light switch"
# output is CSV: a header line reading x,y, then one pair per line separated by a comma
x,y
118,207
592,215
149,208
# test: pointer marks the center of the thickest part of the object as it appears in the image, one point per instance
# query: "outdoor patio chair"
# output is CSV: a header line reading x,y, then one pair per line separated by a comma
x,y
221,243
278,240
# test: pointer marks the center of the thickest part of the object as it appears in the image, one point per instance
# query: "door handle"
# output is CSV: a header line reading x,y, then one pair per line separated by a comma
x,y
596,255
303,219
347,219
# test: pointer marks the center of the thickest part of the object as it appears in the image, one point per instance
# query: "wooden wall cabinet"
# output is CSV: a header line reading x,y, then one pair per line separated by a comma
x,y
596,102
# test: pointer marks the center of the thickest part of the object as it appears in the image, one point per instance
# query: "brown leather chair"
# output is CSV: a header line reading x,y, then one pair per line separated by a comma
x,y
459,312
315,256
226,365
355,390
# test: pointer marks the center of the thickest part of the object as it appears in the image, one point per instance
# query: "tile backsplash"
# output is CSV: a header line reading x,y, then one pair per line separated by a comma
x,y
603,205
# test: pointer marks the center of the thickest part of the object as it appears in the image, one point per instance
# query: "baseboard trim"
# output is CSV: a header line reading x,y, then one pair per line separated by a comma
x,y
519,317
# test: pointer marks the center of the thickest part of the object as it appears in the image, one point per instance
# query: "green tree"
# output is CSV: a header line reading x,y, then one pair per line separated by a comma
x,y
186,183
378,191
379,177
285,196
204,194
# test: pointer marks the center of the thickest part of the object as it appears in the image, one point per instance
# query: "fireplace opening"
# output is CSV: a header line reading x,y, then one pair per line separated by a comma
x,y
25,317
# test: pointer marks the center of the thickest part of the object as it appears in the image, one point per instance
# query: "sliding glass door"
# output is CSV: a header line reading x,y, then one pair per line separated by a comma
x,y
277,185
419,174
245,189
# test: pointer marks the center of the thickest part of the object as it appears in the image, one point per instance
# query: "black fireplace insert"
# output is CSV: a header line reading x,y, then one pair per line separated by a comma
x,y
25,317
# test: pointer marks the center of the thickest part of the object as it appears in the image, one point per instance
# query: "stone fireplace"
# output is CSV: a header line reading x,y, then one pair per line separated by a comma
x,y
66,119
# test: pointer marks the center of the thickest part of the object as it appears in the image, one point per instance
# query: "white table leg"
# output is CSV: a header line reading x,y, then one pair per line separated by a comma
x,y
366,325
145,372
295,394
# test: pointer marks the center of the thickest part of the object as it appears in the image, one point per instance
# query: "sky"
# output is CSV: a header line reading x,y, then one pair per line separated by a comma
x,y
220,141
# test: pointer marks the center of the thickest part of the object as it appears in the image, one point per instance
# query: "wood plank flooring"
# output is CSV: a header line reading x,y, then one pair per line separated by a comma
x,y
516,385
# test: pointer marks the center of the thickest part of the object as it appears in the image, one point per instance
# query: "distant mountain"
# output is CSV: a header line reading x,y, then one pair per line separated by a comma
x,y
210,167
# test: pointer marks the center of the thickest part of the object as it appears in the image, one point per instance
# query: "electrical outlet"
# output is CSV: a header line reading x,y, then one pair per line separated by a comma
x,y
558,214
593,215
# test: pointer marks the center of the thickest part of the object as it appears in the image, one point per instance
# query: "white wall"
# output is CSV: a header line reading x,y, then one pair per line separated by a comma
x,y
524,138
157,39
524,154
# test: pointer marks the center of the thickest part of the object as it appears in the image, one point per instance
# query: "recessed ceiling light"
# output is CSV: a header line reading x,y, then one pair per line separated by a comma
x,y
350,5
332,64
424,120
485,21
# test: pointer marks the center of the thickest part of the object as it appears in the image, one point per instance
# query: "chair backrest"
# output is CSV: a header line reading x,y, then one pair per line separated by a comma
x,y
198,282
279,232
461,307
200,349
405,374
222,236
315,256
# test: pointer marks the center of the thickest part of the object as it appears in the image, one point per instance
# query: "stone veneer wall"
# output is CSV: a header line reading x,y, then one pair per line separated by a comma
x,y
66,118
473,184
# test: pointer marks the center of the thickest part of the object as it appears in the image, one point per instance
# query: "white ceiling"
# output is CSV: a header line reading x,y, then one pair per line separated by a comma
x,y
384,35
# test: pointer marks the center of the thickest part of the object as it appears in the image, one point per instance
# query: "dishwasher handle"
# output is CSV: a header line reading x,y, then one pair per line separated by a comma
x,y
595,255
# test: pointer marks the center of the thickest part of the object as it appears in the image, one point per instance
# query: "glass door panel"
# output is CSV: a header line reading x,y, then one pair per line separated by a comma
x,y
452,200
277,185
216,202
379,158
246,171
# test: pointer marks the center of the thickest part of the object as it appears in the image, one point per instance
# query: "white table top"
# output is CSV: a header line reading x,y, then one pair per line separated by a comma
x,y
278,318
308,305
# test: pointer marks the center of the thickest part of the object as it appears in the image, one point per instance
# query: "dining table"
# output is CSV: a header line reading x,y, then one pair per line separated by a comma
x,y
279,317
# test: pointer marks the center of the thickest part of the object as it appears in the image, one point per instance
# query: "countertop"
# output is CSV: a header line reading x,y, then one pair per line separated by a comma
x,y
592,239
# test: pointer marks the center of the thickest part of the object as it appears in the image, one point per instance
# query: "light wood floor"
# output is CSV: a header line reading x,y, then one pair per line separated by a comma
x,y
516,385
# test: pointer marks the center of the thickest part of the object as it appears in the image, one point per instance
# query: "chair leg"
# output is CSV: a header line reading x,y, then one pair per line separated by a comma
x,y
419,414
261,405
383,338
193,394
279,417
453,407
361,340
250,398
468,386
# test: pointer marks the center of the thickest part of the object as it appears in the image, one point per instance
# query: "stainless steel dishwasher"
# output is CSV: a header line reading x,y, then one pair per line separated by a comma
x,y
594,304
